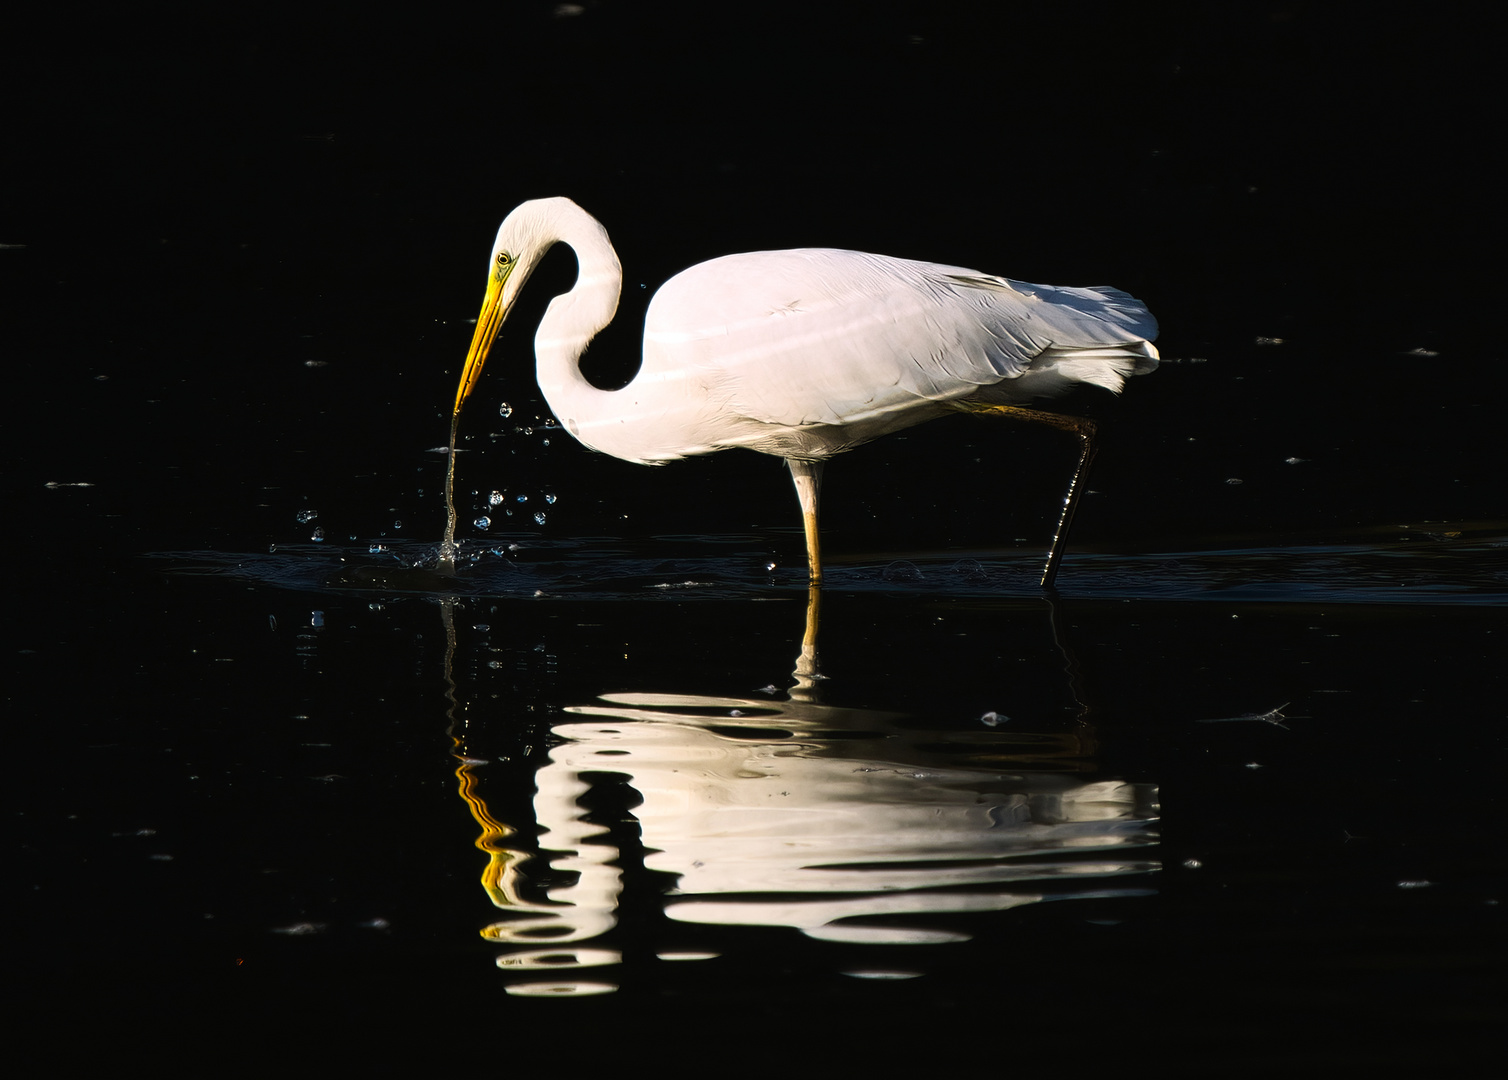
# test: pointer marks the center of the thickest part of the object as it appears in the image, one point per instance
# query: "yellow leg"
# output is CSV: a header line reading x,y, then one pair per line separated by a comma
x,y
808,478
1077,425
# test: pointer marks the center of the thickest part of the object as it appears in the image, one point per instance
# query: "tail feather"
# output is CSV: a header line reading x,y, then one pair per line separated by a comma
x,y
1108,366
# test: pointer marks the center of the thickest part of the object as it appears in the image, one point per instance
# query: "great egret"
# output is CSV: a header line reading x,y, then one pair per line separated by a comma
x,y
804,354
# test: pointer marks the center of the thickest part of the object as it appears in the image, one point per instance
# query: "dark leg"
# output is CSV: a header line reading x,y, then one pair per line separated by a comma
x,y
1077,425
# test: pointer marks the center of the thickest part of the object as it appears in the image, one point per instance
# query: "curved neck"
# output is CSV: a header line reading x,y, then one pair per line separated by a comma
x,y
575,317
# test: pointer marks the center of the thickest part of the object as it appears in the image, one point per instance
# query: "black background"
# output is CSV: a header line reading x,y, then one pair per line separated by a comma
x,y
211,203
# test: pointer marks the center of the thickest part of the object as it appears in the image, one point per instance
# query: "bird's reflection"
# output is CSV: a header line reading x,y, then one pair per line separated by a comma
x,y
848,825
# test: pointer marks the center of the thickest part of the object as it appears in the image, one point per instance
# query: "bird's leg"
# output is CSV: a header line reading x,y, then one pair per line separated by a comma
x,y
1082,427
808,478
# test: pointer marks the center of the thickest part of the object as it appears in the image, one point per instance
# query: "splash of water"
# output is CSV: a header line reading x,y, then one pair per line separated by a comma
x,y
447,561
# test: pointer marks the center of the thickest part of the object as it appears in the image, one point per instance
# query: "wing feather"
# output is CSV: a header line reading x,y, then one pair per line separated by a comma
x,y
823,337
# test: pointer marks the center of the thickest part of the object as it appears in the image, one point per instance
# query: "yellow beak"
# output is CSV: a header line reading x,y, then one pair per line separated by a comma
x,y
488,323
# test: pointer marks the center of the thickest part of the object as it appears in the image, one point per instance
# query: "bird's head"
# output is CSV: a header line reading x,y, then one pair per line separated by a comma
x,y
526,234
521,241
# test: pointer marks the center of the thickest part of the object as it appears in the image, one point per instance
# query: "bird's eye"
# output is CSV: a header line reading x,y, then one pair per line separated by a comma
x,y
503,259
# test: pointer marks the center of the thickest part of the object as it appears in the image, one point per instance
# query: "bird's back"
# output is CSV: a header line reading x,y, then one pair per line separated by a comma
x,y
844,346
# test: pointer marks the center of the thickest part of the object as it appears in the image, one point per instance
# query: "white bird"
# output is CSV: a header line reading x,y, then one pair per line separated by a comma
x,y
804,354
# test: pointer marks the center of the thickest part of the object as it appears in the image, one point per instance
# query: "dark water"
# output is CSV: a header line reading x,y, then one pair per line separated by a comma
x,y
321,805
615,796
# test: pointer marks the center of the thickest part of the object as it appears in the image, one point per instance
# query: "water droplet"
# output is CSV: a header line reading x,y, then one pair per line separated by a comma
x,y
495,498
316,618
376,549
397,524
521,498
318,536
505,410
539,518
482,522
550,499
306,516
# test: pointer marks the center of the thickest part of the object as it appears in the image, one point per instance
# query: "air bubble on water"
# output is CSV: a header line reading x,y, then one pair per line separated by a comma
x,y
505,410
306,516
482,522
495,498
901,570
539,518
550,499
318,536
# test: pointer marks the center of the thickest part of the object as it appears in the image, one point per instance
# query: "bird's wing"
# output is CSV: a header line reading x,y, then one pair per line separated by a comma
x,y
820,336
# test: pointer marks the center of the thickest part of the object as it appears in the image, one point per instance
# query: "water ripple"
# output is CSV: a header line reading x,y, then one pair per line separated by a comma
x,y
1410,566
